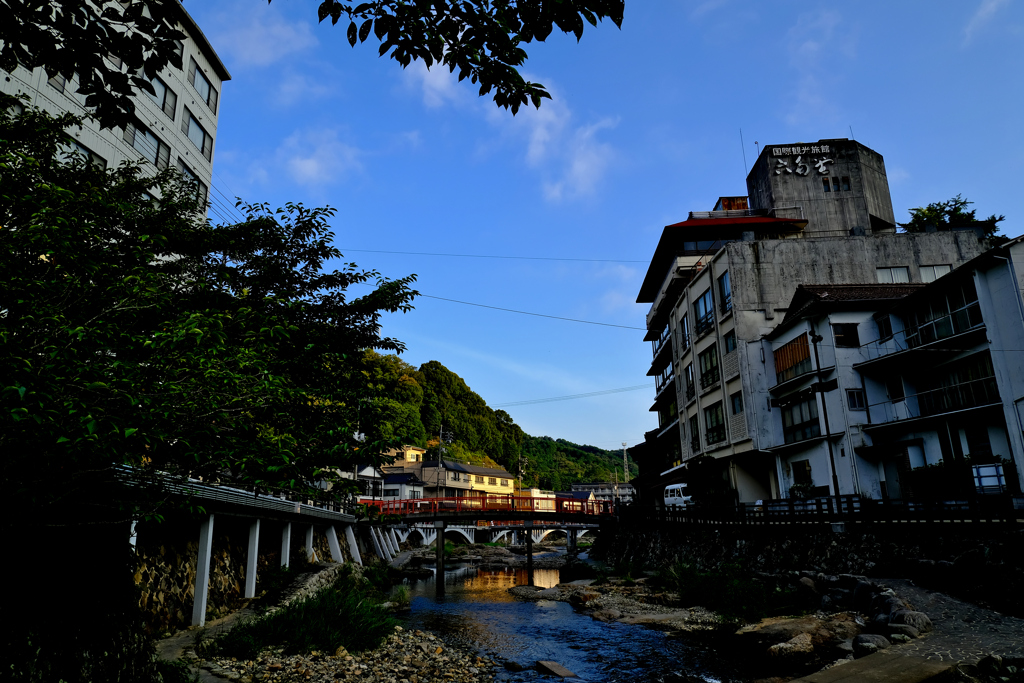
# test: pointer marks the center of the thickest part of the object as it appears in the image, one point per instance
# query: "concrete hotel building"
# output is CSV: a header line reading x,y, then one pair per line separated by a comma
x,y
176,127
721,281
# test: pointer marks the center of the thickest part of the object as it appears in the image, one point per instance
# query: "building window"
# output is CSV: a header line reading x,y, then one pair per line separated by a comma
x,y
884,323
855,399
714,422
73,146
729,340
846,335
691,390
846,183
202,192
894,387
492,481
479,480
895,274
391,493
197,134
147,144
694,435
708,367
179,50
684,334
737,403
58,82
724,292
792,359
933,273
504,482
952,311
825,184
802,472
164,97
207,93
835,184
800,421
703,313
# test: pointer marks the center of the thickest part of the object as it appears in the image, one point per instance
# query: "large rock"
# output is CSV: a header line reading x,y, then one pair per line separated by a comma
x,y
903,630
606,615
918,620
554,669
583,597
869,643
797,645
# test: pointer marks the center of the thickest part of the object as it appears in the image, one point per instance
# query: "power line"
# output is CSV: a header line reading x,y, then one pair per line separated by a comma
x,y
539,315
573,396
519,258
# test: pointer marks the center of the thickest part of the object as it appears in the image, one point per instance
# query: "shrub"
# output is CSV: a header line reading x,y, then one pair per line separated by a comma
x,y
346,613
729,591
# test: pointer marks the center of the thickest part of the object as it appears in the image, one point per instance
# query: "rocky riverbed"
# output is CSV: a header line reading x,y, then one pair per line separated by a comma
x,y
406,657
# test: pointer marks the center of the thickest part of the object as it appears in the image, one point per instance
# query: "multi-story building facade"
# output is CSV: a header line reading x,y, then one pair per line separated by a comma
x,y
720,282
873,383
606,491
176,127
449,478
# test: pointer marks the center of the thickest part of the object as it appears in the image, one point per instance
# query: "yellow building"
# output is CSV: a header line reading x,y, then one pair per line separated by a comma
x,y
451,479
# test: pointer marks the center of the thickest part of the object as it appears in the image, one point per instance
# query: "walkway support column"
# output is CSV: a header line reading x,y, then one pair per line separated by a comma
x,y
439,577
202,571
332,543
353,548
528,528
384,544
376,545
394,541
252,558
286,545
310,553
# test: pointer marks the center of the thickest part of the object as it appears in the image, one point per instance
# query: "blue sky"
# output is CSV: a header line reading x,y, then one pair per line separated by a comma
x,y
644,127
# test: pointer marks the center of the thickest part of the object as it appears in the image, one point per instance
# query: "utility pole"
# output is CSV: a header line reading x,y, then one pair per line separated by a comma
x,y
625,467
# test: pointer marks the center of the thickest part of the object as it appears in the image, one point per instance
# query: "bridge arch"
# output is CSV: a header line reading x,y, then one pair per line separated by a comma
x,y
547,532
454,530
415,537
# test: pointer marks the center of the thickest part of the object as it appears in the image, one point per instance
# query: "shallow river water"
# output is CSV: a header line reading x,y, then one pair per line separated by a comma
x,y
478,611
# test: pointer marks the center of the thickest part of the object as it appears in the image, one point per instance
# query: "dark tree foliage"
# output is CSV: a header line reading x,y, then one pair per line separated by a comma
x,y
952,213
133,333
481,40
556,464
71,37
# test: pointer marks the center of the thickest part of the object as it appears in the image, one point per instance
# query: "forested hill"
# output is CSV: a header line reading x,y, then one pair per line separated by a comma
x,y
422,402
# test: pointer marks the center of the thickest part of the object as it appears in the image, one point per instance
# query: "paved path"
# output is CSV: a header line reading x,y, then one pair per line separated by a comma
x,y
963,632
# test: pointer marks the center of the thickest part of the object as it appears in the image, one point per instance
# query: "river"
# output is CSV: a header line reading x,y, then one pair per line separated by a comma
x,y
477,611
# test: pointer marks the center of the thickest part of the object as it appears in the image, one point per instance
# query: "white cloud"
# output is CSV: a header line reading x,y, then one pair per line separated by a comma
x,y
707,7
438,86
986,10
317,157
586,160
897,175
258,35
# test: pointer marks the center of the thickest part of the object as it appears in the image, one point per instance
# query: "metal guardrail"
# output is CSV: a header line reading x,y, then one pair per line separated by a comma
x,y
232,496
827,509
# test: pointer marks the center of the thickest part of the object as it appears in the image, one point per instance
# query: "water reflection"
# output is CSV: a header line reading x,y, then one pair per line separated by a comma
x,y
477,611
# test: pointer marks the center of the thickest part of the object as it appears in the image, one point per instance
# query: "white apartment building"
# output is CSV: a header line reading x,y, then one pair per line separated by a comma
x,y
176,127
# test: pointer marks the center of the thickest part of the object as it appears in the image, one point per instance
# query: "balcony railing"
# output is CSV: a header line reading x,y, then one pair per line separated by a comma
x,y
709,377
704,323
695,445
725,303
691,392
715,434
956,322
973,394
661,382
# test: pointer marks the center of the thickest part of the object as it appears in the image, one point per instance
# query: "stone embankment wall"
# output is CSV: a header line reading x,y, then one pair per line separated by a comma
x,y
979,562
166,569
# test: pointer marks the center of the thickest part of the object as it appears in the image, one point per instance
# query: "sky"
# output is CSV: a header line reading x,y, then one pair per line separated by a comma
x,y
567,202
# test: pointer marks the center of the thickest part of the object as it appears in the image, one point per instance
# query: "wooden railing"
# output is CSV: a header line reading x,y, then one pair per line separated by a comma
x,y
507,503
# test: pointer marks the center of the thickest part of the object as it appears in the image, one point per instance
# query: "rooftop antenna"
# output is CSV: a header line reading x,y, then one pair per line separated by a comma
x,y
758,147
744,148
851,133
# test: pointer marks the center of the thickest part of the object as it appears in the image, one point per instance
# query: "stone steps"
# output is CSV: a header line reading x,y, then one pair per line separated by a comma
x,y
880,667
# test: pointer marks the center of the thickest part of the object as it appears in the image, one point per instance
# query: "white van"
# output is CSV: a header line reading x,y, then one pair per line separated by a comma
x,y
675,494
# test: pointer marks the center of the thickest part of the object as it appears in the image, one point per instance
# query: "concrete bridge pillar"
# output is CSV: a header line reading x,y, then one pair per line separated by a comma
x,y
528,526
286,545
251,559
332,543
202,571
310,552
394,541
376,545
388,556
439,576
353,548
429,536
